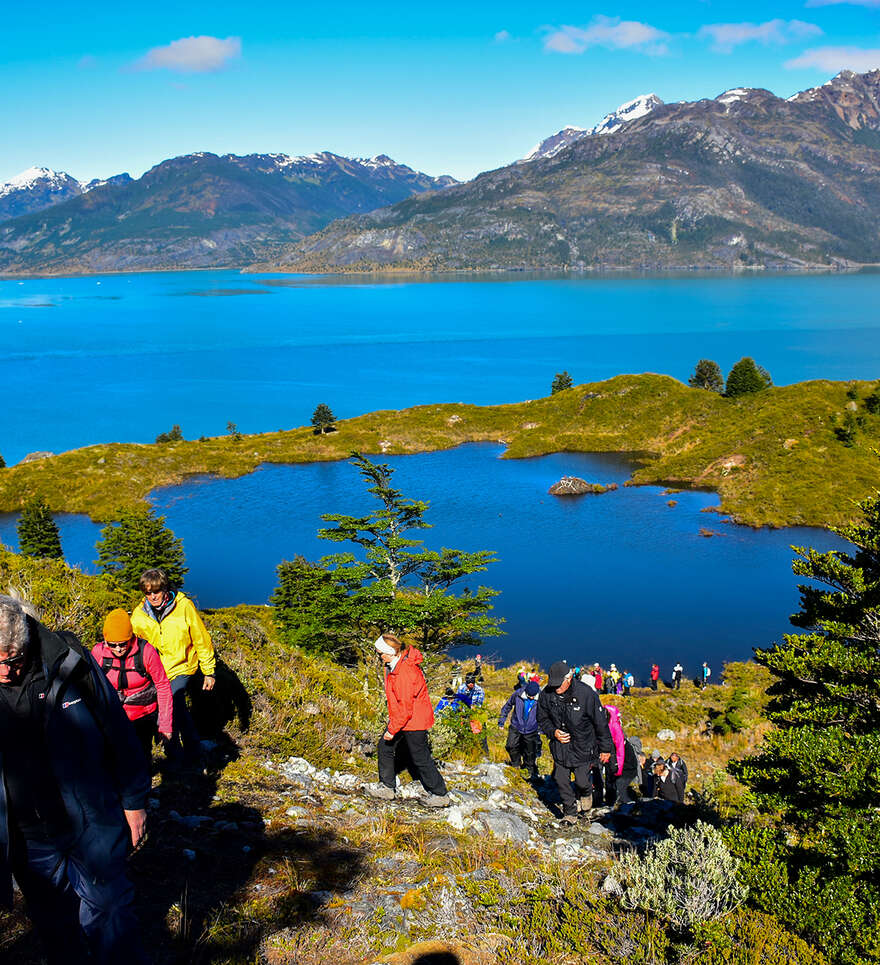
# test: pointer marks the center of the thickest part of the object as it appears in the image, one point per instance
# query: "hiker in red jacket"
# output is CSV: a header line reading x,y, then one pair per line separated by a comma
x,y
655,676
135,671
410,716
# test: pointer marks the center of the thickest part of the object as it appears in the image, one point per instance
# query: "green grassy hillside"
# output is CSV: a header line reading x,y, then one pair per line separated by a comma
x,y
773,457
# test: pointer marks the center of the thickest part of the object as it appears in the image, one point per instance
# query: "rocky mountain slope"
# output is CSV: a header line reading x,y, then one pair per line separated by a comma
x,y
745,180
195,211
631,111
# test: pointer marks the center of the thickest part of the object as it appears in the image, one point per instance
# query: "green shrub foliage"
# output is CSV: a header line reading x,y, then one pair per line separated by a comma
x,y
688,878
38,534
818,771
561,381
323,419
174,434
707,375
139,541
390,583
746,377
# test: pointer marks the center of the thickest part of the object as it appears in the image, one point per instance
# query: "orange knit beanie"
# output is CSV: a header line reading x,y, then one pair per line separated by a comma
x,y
117,627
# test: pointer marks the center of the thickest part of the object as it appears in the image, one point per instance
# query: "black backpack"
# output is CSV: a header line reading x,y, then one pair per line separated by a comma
x,y
144,696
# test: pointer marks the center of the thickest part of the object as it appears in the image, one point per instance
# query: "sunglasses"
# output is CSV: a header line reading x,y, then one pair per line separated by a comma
x,y
13,661
118,646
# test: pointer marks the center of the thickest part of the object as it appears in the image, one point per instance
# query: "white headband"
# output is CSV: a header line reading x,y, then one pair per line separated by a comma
x,y
383,647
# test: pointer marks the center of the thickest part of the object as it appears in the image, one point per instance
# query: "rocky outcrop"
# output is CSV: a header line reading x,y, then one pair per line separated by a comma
x,y
575,486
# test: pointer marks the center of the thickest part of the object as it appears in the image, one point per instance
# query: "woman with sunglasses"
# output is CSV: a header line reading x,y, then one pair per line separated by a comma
x,y
134,669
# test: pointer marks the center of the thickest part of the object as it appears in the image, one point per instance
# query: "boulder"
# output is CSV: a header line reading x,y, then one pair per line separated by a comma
x,y
666,735
34,456
575,486
508,827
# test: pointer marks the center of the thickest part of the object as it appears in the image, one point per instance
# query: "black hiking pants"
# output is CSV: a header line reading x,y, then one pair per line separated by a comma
x,y
523,748
409,751
570,793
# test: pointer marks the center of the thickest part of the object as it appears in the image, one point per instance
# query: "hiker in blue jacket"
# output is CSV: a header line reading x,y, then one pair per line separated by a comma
x,y
73,786
523,738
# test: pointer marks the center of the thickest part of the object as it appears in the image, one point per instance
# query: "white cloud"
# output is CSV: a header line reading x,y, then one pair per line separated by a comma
x,y
726,36
611,32
502,37
855,3
833,59
192,55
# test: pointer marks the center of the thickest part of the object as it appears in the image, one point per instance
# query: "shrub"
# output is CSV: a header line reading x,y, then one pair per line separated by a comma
x,y
138,542
688,879
707,375
746,377
561,381
747,937
872,402
174,434
38,532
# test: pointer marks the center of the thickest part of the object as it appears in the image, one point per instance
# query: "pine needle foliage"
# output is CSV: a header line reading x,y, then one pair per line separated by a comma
x,y
818,771
139,541
38,535
389,583
707,375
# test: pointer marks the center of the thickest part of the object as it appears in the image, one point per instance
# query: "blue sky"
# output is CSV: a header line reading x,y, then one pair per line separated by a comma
x,y
454,88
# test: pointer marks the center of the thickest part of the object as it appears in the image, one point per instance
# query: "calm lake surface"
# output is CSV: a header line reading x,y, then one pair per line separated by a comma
x,y
622,576
123,357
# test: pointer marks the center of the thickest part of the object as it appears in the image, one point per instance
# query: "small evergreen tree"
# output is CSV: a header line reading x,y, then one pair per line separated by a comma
x,y
847,431
38,532
323,419
391,583
232,429
561,381
818,770
746,377
707,375
2,462
174,434
139,541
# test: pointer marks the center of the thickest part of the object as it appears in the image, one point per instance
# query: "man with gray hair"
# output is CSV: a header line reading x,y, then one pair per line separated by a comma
x,y
73,782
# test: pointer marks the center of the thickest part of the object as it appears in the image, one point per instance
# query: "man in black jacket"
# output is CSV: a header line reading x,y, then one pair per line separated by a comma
x,y
73,784
571,715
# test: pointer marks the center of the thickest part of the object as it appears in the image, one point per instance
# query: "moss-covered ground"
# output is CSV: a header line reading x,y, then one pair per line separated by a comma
x,y
774,457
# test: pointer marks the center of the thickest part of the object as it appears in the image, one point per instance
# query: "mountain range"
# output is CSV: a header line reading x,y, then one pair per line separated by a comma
x,y
746,179
194,211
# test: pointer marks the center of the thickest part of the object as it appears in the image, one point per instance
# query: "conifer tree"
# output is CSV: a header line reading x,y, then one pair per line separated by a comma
x,y
323,419
745,377
707,375
390,583
561,381
818,771
139,541
38,534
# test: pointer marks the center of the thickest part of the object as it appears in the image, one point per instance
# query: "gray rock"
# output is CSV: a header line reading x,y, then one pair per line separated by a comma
x,y
296,812
599,830
666,735
508,827
495,776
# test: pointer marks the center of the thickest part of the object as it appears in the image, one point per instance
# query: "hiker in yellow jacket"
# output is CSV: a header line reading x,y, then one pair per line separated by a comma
x,y
170,622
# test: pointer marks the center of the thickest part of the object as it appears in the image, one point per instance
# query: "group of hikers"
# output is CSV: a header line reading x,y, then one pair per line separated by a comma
x,y
587,740
78,728
76,737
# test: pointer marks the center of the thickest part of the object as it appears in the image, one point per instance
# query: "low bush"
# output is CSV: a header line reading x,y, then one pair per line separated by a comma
x,y
687,879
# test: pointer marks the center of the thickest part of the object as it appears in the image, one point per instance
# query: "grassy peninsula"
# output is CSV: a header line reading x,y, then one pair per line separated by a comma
x,y
773,456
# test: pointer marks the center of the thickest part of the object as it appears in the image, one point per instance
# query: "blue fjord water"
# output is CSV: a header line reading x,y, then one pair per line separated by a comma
x,y
621,576
123,357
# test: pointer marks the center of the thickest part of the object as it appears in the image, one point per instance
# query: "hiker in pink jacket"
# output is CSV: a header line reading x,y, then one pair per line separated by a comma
x,y
135,671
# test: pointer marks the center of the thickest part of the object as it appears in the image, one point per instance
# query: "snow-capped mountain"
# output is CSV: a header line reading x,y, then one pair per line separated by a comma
x,y
630,111
35,189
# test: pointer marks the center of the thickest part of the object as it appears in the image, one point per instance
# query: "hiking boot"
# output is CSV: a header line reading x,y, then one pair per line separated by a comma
x,y
534,775
381,791
569,819
585,803
437,801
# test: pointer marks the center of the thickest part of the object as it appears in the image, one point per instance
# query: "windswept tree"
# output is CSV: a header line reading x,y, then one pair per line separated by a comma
x,y
745,377
139,541
38,534
389,581
174,434
561,381
707,375
818,771
323,419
